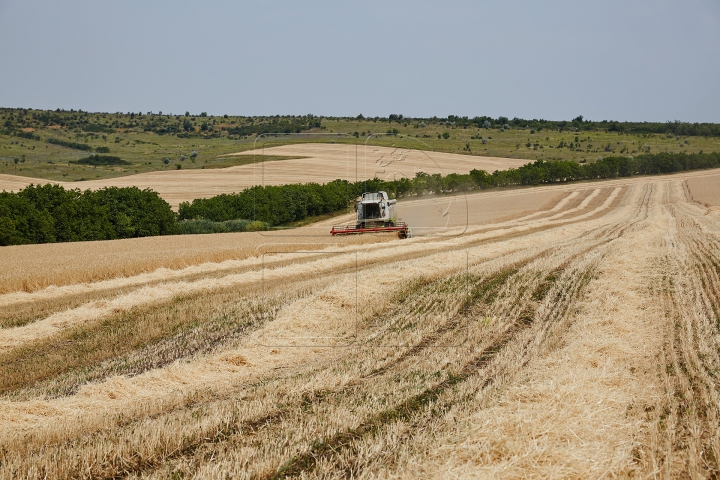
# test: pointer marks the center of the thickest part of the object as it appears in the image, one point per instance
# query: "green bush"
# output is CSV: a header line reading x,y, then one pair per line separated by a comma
x,y
75,145
50,213
202,225
97,128
100,160
256,226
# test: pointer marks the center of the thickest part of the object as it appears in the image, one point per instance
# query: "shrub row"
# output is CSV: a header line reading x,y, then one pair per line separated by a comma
x,y
50,213
275,205
100,160
276,126
540,172
65,143
208,226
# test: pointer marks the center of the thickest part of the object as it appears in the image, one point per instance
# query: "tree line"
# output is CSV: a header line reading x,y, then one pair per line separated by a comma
x,y
276,205
294,125
68,144
578,123
15,119
97,160
51,213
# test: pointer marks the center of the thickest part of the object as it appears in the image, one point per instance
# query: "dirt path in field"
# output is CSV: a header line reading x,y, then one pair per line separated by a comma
x,y
577,338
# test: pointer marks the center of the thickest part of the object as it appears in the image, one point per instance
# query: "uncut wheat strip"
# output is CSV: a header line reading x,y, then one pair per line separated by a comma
x,y
568,414
148,295
252,254
33,267
53,292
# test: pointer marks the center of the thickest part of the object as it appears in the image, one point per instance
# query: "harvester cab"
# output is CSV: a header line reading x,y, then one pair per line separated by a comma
x,y
376,209
376,212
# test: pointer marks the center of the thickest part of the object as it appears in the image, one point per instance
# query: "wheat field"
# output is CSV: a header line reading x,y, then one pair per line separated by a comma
x,y
565,331
321,163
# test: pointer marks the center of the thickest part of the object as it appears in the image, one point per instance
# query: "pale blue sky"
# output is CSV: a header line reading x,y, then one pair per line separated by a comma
x,y
623,60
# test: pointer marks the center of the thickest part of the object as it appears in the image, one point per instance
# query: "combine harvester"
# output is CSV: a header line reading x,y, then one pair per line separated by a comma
x,y
375,214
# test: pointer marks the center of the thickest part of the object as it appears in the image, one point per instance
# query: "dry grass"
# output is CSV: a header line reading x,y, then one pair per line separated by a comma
x,y
571,333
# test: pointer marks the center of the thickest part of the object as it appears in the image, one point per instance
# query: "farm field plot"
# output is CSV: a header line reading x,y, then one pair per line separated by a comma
x,y
564,331
705,189
325,163
324,160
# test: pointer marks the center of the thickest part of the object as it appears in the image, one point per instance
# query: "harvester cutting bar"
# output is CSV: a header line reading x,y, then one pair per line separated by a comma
x,y
401,228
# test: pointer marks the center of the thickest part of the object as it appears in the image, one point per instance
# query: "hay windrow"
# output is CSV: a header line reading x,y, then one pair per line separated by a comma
x,y
576,340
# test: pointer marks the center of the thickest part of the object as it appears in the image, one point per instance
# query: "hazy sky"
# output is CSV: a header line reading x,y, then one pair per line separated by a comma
x,y
650,60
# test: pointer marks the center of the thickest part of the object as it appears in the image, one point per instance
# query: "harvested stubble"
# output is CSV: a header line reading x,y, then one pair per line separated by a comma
x,y
585,337
705,189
